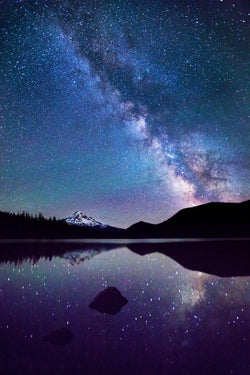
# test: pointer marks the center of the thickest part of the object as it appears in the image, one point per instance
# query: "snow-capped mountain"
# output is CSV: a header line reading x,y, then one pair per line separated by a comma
x,y
78,218
77,257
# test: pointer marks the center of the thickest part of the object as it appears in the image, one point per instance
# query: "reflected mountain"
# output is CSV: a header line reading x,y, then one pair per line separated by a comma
x,y
19,252
221,258
84,254
109,301
224,257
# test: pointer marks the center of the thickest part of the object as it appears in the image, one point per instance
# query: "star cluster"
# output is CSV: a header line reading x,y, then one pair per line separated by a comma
x,y
125,110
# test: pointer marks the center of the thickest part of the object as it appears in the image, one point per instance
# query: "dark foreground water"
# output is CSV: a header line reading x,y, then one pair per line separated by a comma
x,y
176,321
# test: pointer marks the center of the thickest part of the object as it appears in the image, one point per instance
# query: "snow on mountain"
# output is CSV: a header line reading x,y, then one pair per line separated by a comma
x,y
78,218
76,257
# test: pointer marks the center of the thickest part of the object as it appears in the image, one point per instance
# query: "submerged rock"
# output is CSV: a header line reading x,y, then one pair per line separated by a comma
x,y
109,301
60,336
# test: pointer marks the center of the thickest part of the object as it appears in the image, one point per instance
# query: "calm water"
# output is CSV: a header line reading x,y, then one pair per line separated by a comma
x,y
176,321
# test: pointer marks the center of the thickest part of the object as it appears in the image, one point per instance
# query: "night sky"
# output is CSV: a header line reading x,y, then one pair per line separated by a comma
x,y
125,110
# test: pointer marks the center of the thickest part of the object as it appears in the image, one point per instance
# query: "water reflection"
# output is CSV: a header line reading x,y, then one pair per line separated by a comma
x,y
177,321
221,258
60,336
19,253
218,257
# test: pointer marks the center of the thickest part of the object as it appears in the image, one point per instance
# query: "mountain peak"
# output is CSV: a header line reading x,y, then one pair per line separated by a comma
x,y
80,219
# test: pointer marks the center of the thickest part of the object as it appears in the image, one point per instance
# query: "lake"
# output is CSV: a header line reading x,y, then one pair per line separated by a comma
x,y
176,320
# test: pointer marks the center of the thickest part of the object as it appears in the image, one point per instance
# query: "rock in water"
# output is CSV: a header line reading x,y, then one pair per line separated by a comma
x,y
59,337
109,301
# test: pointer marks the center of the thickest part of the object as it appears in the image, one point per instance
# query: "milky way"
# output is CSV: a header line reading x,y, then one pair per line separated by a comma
x,y
126,110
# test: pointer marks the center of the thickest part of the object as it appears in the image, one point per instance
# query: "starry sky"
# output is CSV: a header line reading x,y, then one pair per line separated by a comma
x,y
125,110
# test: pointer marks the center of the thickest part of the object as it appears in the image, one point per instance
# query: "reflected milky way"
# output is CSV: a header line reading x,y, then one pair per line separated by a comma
x,y
175,321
